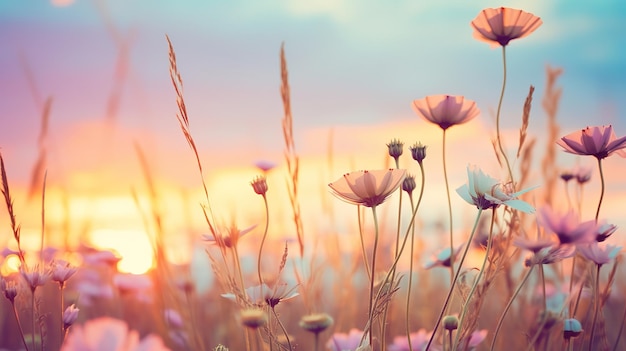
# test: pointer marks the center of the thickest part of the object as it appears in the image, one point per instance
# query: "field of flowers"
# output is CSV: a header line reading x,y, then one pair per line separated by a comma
x,y
533,272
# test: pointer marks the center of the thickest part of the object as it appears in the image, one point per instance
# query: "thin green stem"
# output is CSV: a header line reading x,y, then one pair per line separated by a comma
x,y
596,307
477,280
371,303
601,189
498,137
317,342
267,223
621,329
408,293
508,306
445,177
454,279
32,306
243,288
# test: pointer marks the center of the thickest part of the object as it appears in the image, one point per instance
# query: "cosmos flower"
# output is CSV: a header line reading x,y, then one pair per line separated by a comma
x,y
263,294
62,271
35,276
473,340
230,239
597,141
605,230
346,341
568,227
501,25
486,192
599,254
109,334
368,188
446,110
419,340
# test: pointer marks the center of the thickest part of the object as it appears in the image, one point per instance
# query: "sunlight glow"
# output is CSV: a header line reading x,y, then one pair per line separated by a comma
x,y
133,245
10,265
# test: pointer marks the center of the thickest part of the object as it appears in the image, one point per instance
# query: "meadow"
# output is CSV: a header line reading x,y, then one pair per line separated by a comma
x,y
520,256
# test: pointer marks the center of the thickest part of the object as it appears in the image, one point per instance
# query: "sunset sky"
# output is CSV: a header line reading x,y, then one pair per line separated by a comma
x,y
355,66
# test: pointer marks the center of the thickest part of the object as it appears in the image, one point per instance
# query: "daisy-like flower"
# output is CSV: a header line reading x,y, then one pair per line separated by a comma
x,y
263,294
552,254
346,341
69,316
419,339
446,110
604,231
597,141
230,239
106,333
62,271
35,276
599,254
442,259
501,25
582,174
486,192
568,227
368,188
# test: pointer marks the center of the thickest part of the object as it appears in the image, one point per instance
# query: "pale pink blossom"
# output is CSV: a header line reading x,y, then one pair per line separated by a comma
x,y
568,227
446,110
108,334
597,141
62,271
419,340
264,294
346,341
501,25
70,315
35,276
228,237
368,188
599,254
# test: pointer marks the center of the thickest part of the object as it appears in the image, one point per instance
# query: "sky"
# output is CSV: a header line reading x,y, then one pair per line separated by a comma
x,y
354,68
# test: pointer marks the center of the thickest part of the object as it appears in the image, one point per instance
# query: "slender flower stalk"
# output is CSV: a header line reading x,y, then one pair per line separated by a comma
x,y
445,177
596,306
454,279
601,188
259,185
371,298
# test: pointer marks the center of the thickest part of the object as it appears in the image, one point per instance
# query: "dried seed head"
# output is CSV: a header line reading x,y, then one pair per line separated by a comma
x,y
450,322
253,318
316,323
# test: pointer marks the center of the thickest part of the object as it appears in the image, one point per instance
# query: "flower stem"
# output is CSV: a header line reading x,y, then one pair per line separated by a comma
x,y
596,307
408,293
498,137
32,306
19,325
454,279
367,265
601,189
477,280
508,306
373,273
445,177
267,223
282,327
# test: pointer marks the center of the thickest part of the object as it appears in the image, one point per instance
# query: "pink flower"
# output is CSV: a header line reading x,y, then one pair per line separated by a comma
x,y
568,227
227,240
599,254
343,341
501,25
70,315
473,340
598,141
261,294
446,110
368,188
35,276
533,245
62,271
419,340
108,334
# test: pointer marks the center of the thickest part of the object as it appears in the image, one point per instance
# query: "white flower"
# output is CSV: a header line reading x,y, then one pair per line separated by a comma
x,y
486,192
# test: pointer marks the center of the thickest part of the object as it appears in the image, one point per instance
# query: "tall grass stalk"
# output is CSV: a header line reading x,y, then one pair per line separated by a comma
x,y
445,177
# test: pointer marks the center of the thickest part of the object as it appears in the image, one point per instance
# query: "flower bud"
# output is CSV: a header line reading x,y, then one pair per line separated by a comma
x,y
450,322
253,318
418,151
259,184
571,328
408,184
316,323
395,148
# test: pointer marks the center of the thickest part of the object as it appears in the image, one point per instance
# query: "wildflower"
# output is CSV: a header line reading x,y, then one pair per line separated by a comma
x,y
173,318
101,257
568,227
599,254
265,166
443,258
582,174
107,333
473,340
259,185
446,110
35,276
419,340
62,271
10,290
604,231
69,316
230,239
368,188
253,318
260,294
533,245
316,322
486,192
567,176
597,141
550,255
501,25
408,184
395,148
418,151
571,328
342,341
